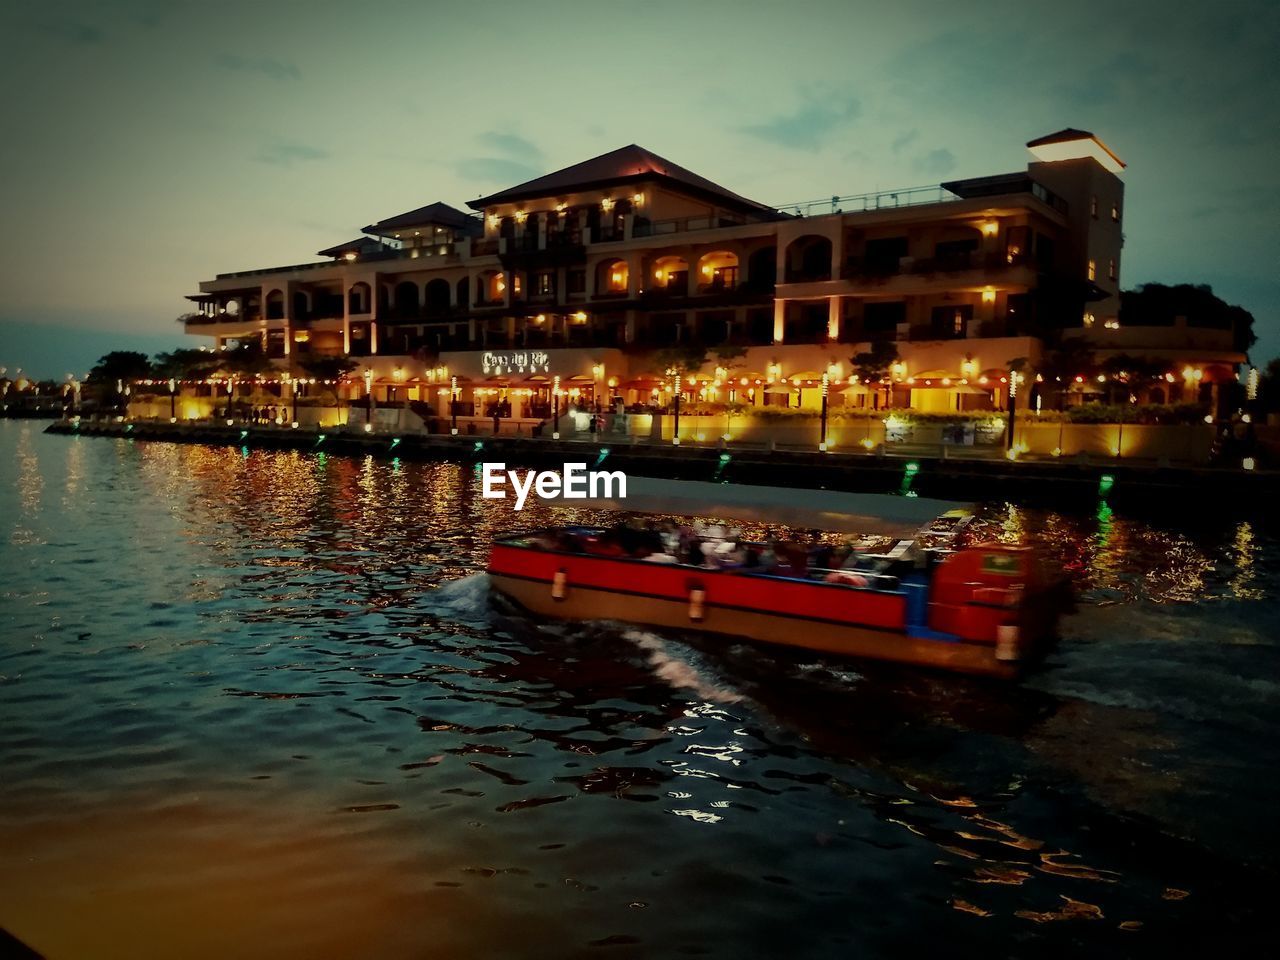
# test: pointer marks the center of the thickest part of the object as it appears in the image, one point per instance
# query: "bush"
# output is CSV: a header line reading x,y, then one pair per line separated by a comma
x,y
1148,413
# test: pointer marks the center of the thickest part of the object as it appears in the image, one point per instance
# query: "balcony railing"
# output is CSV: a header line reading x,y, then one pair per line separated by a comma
x,y
657,228
859,268
860,202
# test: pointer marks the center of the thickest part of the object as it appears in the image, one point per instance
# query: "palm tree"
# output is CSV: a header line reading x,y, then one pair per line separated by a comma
x,y
872,366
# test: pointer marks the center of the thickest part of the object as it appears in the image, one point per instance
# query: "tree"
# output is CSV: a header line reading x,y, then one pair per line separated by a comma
x,y
190,363
1071,358
1131,374
332,368
1157,305
872,366
247,359
686,359
729,356
126,365
1269,386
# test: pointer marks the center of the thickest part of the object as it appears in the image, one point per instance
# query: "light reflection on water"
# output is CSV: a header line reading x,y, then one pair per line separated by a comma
x,y
259,704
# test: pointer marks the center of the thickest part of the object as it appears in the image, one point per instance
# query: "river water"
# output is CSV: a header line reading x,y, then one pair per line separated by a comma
x,y
259,705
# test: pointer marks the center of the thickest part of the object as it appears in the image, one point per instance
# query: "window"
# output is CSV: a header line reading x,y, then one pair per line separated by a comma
x,y
1093,270
1093,206
576,281
1088,320
1111,269
950,322
1115,212
545,284
884,317
883,255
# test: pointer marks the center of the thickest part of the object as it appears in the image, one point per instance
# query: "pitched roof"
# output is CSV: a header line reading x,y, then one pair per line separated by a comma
x,y
433,213
1071,135
358,245
623,165
1065,135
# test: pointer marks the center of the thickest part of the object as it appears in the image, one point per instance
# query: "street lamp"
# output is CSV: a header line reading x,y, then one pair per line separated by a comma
x,y
1013,410
173,400
368,398
675,433
555,409
826,387
453,405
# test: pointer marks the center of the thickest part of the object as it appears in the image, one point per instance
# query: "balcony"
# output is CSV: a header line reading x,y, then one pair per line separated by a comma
x,y
658,228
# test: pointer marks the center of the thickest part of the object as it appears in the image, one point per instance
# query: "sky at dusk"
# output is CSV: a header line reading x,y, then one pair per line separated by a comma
x,y
150,145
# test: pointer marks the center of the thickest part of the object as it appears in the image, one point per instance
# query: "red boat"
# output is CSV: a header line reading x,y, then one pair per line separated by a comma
x,y
986,609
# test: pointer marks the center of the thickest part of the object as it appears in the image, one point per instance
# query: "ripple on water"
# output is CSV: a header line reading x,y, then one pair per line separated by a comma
x,y
270,689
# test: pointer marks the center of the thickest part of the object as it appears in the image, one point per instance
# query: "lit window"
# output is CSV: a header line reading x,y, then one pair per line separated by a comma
x,y
1111,269
1093,206
1115,212
1088,320
1093,270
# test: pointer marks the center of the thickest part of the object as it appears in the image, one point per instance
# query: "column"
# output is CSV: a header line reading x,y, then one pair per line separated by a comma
x,y
835,314
346,315
779,319
635,274
694,278
837,252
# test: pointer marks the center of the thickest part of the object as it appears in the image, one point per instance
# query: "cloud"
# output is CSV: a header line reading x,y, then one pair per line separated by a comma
x,y
497,170
520,160
904,140
935,163
510,144
810,125
287,154
275,69
73,32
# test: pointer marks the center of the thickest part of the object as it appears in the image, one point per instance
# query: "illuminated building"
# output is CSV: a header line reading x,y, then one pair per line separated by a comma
x,y
588,271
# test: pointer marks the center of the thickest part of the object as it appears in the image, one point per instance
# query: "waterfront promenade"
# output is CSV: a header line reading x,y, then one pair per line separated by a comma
x,y
936,472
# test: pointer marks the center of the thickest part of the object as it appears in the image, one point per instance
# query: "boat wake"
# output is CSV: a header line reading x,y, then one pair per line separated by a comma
x,y
678,670
465,600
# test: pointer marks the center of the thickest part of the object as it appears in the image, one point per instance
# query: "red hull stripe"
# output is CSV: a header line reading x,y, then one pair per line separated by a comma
x,y
782,596
949,639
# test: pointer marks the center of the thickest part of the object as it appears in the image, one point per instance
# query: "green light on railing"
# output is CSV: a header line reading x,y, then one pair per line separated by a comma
x,y
395,442
912,468
604,452
1105,483
243,434
128,428
479,446
244,451
725,458
320,439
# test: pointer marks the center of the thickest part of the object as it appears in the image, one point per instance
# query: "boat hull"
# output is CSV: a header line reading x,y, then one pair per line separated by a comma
x,y
589,589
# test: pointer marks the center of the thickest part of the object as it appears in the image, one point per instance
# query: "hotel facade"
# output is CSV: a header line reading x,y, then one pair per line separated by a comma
x,y
584,283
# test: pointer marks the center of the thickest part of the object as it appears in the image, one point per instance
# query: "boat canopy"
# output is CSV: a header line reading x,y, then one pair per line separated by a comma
x,y
870,514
